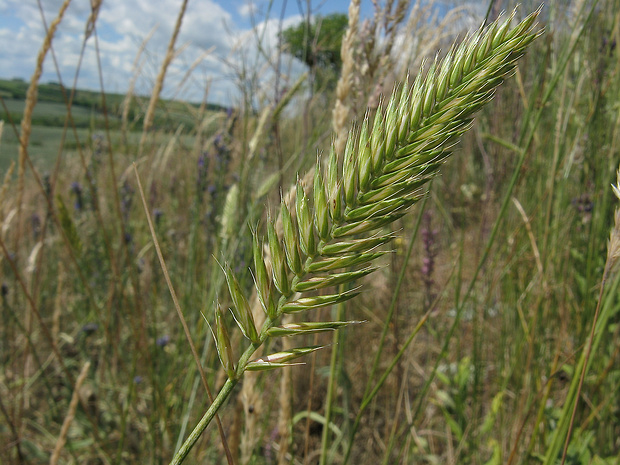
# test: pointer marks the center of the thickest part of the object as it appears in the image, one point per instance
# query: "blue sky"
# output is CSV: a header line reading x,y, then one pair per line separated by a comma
x,y
221,26
216,39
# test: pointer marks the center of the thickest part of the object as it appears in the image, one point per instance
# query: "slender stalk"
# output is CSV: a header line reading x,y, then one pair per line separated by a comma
x,y
204,421
180,314
582,375
217,403
525,142
369,391
331,384
613,253
392,308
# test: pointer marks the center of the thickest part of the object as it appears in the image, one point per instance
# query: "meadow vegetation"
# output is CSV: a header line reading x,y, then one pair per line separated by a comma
x,y
488,331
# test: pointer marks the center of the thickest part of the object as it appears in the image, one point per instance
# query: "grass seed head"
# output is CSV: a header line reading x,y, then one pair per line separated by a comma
x,y
222,343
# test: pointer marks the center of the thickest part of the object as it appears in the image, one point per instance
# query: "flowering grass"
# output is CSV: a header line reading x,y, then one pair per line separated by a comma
x,y
483,336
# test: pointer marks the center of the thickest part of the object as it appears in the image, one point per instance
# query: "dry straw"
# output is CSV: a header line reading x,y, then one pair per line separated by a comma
x,y
190,70
4,189
376,41
159,82
135,71
62,437
424,33
340,114
95,6
332,233
31,101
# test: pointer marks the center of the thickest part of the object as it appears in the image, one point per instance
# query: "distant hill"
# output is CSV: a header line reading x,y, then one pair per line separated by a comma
x,y
87,108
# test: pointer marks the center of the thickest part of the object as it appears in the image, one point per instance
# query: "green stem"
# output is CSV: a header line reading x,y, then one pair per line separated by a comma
x,y
526,142
603,312
219,400
399,283
368,398
368,393
331,383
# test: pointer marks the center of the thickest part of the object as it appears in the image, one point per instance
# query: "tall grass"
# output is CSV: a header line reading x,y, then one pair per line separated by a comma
x,y
490,328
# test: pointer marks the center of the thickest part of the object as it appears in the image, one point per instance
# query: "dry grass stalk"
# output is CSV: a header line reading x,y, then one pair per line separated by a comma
x,y
31,101
285,414
250,387
191,69
5,187
249,391
179,311
393,20
415,40
135,71
95,6
62,437
269,115
250,384
202,122
417,36
58,301
159,82
234,432
378,62
24,139
340,114
251,400
423,34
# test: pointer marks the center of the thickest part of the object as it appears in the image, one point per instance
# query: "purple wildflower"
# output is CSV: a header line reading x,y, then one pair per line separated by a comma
x,y
201,178
162,341
126,199
157,214
76,190
35,222
89,328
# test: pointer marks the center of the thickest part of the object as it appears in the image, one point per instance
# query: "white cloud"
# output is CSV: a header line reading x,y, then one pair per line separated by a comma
x,y
247,9
121,27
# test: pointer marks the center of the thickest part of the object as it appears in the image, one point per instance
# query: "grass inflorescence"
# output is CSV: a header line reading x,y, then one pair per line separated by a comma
x,y
389,307
382,172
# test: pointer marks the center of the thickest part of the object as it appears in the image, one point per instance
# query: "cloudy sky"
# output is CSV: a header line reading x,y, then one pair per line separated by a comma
x,y
223,27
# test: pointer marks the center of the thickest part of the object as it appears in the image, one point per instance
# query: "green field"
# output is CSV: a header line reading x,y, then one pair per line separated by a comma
x,y
45,144
50,117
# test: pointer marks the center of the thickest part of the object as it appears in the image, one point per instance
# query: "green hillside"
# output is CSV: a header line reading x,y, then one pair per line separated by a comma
x,y
88,108
88,115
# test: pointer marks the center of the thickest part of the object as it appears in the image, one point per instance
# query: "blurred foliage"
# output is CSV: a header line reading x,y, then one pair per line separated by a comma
x,y
318,44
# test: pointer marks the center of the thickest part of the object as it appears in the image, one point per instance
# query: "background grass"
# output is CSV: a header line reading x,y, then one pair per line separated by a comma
x,y
507,256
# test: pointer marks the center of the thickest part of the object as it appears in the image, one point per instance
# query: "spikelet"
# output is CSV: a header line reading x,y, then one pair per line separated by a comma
x,y
613,246
331,234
